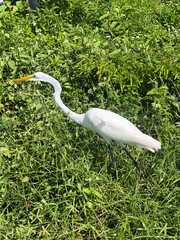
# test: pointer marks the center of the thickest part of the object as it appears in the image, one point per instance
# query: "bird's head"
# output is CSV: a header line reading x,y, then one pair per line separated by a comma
x,y
40,76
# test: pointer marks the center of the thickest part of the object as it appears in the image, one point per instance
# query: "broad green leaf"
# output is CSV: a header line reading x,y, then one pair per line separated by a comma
x,y
11,64
87,190
2,62
19,4
89,204
25,55
113,24
25,179
115,52
38,106
104,16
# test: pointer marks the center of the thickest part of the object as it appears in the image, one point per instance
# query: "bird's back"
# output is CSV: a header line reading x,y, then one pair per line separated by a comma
x,y
112,126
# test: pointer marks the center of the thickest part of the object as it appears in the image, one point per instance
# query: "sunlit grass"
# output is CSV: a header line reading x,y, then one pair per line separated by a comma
x,y
54,181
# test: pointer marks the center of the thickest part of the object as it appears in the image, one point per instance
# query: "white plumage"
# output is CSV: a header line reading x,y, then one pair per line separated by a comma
x,y
109,125
112,126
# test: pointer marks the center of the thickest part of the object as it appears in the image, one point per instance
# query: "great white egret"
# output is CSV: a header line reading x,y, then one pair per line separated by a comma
x,y
109,125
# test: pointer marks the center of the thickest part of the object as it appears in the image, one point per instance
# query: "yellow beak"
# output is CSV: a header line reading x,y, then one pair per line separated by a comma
x,y
23,79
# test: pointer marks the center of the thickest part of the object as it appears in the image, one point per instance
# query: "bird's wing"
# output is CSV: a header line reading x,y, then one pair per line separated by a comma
x,y
111,125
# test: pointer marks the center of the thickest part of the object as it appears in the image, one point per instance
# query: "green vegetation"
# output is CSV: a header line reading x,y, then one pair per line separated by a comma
x,y
118,55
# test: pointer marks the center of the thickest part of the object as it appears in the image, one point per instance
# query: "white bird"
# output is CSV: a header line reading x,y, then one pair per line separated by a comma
x,y
109,125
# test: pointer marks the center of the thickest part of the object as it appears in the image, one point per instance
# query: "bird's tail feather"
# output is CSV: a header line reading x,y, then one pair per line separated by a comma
x,y
147,142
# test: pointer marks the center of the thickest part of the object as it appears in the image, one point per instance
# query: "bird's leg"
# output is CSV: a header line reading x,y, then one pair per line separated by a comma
x,y
112,158
135,163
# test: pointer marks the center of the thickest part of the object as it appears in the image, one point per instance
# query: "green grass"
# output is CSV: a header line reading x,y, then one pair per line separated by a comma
x,y
118,55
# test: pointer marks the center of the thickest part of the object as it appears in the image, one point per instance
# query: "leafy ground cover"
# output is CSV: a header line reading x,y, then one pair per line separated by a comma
x,y
118,55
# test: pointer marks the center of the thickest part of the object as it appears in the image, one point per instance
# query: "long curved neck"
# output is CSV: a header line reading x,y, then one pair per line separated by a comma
x,y
79,118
